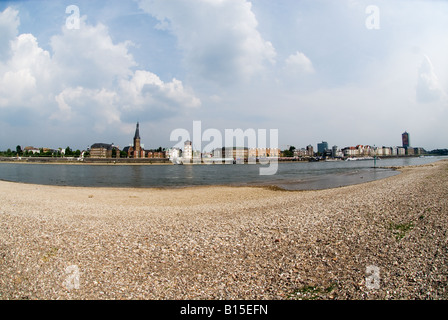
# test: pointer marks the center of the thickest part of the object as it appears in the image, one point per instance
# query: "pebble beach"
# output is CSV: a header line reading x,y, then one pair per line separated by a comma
x,y
385,239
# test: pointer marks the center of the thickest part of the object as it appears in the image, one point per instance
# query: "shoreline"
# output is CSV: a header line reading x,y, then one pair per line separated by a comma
x,y
146,161
281,185
228,243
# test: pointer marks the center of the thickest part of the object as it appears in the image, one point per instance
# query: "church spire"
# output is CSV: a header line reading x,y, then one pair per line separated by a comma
x,y
137,133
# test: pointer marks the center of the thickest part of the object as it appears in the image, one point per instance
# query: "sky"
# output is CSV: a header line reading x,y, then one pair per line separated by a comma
x,y
74,73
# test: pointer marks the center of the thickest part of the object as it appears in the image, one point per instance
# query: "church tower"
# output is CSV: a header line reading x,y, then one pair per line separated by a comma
x,y
137,148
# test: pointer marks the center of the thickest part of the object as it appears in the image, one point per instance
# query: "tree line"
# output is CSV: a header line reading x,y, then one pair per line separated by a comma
x,y
18,152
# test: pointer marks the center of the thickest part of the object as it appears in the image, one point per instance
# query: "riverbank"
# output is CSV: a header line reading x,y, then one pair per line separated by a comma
x,y
159,161
86,161
228,242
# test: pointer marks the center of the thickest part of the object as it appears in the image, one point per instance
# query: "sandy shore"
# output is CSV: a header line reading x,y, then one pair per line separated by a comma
x,y
227,242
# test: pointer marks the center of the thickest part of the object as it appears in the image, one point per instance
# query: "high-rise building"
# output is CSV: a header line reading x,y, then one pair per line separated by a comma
x,y
405,139
321,147
334,151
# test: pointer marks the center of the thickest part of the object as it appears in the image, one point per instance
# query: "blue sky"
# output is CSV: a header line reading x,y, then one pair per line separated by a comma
x,y
312,69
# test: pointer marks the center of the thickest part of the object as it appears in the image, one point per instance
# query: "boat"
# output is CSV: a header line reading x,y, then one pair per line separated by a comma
x,y
361,158
177,161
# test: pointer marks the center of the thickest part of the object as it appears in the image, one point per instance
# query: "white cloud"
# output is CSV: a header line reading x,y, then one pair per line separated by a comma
x,y
299,63
9,22
144,89
25,77
87,80
428,85
88,57
219,39
82,104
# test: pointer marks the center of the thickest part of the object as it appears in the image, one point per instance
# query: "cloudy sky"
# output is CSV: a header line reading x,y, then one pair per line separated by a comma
x,y
348,72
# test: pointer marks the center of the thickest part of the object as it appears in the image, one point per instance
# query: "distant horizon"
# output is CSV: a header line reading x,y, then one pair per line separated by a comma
x,y
340,147
345,72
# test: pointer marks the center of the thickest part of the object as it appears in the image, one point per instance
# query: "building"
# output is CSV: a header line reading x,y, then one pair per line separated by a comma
x,y
241,154
401,151
393,151
299,153
136,150
350,152
155,154
173,153
274,152
405,140
334,151
31,149
419,151
253,152
310,151
102,150
321,147
187,153
386,151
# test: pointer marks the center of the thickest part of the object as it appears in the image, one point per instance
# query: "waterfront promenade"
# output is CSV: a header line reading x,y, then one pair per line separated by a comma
x,y
228,242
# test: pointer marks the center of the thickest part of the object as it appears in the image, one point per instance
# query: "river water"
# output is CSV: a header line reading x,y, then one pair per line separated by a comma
x,y
290,175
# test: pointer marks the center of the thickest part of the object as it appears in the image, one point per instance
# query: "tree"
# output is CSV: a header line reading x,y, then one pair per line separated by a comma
x,y
288,153
68,151
19,150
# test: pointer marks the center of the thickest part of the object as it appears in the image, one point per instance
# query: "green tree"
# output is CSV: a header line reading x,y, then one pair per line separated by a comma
x,y
68,152
288,153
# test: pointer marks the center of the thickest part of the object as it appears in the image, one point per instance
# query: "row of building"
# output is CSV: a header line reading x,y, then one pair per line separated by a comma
x,y
365,150
137,150
188,154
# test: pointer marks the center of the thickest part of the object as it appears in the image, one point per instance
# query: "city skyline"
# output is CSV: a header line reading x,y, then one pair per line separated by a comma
x,y
137,149
76,73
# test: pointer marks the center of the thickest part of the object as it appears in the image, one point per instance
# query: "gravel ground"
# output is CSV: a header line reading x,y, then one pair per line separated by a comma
x,y
385,239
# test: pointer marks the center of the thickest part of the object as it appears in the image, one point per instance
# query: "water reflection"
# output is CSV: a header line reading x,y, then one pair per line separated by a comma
x,y
137,176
